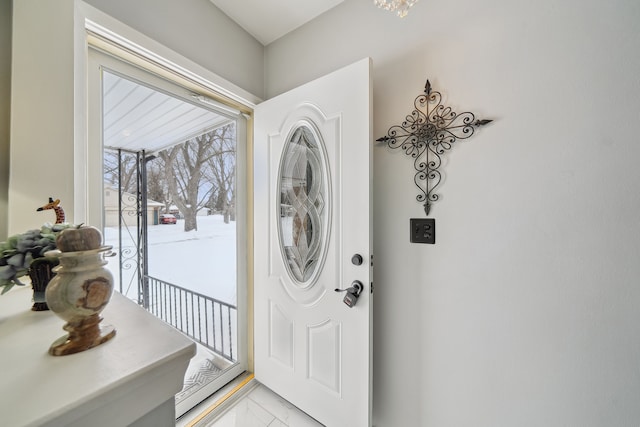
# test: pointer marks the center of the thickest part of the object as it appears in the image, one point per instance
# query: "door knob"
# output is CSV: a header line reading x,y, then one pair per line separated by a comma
x,y
353,292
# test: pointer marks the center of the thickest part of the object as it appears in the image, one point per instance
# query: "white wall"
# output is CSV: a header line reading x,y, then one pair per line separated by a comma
x,y
526,312
43,105
200,32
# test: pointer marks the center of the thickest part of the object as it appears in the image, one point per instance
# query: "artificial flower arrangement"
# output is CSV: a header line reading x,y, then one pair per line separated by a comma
x,y
19,251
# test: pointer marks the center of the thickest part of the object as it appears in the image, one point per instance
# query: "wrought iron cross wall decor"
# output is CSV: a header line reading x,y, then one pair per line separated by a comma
x,y
426,134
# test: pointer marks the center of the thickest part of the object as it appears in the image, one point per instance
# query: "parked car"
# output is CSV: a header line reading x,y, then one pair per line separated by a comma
x,y
167,219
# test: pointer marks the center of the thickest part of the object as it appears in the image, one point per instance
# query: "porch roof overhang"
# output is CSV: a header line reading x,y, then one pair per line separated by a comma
x,y
137,117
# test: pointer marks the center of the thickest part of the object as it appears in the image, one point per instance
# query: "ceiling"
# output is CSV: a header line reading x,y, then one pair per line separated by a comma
x,y
268,20
136,117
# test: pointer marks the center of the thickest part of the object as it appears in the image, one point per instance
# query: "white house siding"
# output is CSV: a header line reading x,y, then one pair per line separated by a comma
x,y
129,215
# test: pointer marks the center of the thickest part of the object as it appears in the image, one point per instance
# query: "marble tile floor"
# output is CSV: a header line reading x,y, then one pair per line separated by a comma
x,y
257,407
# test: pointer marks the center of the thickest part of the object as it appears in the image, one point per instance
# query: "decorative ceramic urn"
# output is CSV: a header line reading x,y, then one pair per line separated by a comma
x,y
80,290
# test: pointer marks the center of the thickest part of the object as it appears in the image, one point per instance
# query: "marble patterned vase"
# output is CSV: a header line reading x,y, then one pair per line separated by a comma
x,y
78,293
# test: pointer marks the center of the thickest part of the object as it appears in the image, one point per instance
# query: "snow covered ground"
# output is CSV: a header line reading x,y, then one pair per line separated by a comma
x,y
203,261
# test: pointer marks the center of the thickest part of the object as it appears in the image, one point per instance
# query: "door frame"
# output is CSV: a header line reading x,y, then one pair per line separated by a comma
x,y
98,38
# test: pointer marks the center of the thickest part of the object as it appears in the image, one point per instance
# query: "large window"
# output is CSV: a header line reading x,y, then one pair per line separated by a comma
x,y
174,208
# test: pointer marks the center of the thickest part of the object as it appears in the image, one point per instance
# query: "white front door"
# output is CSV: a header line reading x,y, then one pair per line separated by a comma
x,y
313,235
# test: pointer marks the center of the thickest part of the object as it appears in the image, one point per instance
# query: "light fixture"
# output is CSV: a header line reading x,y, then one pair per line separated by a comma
x,y
401,7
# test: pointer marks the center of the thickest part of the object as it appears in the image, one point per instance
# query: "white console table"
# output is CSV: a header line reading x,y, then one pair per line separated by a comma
x,y
130,380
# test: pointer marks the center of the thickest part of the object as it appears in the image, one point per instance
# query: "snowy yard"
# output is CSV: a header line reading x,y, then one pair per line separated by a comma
x,y
203,261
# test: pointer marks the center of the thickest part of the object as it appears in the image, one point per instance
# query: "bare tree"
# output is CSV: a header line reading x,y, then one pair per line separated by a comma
x,y
184,168
197,173
123,175
222,171
157,186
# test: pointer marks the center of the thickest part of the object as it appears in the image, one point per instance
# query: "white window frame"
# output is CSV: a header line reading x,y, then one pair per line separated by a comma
x,y
110,36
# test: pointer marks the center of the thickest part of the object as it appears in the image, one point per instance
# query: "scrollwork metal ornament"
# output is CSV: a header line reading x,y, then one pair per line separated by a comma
x,y
426,134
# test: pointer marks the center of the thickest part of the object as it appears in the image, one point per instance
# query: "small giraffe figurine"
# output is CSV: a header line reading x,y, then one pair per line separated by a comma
x,y
55,205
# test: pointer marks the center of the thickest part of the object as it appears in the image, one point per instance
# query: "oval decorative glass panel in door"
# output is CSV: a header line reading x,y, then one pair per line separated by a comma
x,y
302,205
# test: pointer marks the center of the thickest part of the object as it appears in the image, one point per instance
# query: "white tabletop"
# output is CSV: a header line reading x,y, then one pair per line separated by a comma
x,y
112,384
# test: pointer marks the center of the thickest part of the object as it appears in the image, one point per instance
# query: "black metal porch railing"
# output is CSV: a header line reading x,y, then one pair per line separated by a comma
x,y
207,320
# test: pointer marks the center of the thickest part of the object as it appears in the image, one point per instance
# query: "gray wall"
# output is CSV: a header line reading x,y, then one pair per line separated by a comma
x,y
5,103
199,31
525,312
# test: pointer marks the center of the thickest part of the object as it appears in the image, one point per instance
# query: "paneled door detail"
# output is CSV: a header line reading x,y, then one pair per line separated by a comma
x,y
312,223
